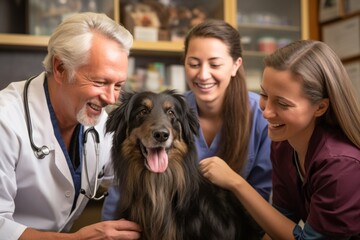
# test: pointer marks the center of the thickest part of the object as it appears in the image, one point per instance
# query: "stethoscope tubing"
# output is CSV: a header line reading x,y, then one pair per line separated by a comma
x,y
93,191
41,152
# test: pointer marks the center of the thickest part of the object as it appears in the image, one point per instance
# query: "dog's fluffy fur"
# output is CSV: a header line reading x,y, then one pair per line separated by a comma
x,y
156,167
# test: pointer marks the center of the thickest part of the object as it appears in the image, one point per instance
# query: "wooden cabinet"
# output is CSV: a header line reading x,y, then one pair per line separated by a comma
x,y
265,26
22,38
19,42
260,22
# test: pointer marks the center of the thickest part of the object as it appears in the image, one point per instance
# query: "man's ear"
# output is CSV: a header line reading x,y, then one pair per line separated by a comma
x,y
322,107
58,69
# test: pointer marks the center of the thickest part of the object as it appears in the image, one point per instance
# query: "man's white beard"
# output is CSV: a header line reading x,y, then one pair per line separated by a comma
x,y
85,120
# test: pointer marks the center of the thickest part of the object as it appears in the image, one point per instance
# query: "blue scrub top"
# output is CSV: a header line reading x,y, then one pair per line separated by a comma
x,y
257,170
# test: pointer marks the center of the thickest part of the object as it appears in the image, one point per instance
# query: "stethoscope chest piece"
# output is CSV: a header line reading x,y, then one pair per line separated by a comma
x,y
40,152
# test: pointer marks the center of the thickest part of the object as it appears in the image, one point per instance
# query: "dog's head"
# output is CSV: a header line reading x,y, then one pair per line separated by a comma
x,y
157,125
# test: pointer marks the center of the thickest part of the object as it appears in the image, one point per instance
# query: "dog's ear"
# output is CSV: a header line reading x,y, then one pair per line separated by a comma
x,y
115,116
190,123
118,118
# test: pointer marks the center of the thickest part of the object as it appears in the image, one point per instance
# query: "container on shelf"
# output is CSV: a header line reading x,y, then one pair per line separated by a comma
x,y
267,44
282,42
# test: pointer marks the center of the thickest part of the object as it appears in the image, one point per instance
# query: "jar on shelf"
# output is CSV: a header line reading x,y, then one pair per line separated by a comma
x,y
282,42
246,42
267,44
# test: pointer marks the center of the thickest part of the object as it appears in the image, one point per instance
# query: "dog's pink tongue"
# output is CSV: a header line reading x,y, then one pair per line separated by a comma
x,y
157,159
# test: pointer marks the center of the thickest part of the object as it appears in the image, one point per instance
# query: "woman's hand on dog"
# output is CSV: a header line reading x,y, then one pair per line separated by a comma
x,y
219,173
119,229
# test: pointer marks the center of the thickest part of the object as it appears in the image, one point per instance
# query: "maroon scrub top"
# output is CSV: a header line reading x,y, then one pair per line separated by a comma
x,y
328,198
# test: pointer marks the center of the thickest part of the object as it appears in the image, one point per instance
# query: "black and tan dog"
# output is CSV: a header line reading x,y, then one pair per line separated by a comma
x,y
156,167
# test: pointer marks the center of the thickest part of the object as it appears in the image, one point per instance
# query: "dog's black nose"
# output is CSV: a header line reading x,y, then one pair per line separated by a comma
x,y
161,135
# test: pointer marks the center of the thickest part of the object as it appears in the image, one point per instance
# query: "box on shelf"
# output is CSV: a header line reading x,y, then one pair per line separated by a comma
x,y
352,6
149,34
343,37
329,10
176,77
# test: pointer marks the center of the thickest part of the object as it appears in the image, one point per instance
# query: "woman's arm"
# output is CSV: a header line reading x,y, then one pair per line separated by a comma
x,y
273,222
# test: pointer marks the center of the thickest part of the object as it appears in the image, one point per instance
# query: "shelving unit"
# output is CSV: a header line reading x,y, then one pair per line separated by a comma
x,y
13,44
144,52
159,47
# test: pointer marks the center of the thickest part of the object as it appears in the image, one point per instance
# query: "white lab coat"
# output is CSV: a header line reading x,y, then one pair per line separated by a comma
x,y
39,193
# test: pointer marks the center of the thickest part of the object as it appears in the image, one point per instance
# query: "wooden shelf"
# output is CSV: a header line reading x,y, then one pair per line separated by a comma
x,y
163,47
24,40
269,27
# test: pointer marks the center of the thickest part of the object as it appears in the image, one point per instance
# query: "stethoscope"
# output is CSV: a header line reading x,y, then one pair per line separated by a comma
x,y
95,136
41,152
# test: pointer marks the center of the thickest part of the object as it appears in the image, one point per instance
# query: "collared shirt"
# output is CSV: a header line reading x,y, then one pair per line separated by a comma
x,y
76,148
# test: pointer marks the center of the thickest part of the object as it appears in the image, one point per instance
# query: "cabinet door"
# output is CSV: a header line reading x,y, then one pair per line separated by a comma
x,y
27,25
159,28
265,26
161,25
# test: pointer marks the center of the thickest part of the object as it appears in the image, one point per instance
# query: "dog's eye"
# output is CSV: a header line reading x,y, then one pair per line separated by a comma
x,y
143,112
171,113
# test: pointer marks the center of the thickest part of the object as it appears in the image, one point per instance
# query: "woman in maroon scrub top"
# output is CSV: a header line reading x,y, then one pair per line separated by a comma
x,y
314,124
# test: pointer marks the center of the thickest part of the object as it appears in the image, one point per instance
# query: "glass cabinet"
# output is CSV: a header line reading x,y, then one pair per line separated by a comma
x,y
158,27
265,26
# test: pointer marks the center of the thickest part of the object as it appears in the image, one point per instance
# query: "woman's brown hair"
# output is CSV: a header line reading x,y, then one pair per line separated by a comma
x,y
323,76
